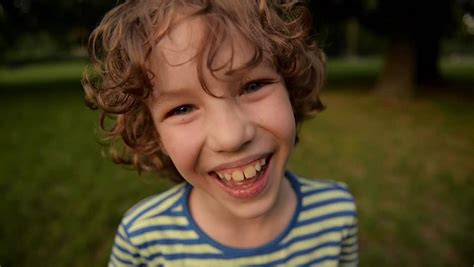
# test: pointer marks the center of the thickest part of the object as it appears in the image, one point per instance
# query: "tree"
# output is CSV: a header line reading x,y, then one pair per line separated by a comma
x,y
68,22
413,31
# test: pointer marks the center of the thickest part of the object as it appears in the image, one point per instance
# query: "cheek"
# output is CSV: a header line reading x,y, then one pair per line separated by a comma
x,y
286,124
181,145
277,117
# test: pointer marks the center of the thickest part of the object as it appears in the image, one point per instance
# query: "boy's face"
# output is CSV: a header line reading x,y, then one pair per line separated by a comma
x,y
233,148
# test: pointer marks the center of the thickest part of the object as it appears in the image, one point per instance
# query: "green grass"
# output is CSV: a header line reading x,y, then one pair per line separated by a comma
x,y
41,73
408,164
410,168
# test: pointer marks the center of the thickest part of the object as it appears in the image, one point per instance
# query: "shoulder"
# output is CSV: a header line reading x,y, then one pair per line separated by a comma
x,y
314,186
153,206
139,221
326,199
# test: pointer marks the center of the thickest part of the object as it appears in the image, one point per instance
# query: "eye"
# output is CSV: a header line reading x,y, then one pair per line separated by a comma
x,y
254,86
181,110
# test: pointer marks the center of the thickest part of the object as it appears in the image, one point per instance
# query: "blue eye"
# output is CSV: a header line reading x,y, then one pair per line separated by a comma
x,y
254,86
181,110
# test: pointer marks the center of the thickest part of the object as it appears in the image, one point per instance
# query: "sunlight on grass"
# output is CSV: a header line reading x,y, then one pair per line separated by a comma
x,y
41,72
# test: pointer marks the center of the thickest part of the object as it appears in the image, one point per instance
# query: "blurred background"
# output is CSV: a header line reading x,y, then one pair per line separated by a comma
x,y
398,129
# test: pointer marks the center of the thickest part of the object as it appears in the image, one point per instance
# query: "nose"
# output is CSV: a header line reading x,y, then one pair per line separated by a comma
x,y
229,127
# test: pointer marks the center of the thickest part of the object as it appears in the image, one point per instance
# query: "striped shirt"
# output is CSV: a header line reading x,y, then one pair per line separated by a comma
x,y
159,231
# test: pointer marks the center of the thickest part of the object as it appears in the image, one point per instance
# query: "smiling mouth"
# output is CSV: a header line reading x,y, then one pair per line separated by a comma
x,y
243,175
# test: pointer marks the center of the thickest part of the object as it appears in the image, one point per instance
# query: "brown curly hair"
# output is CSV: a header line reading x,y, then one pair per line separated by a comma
x,y
120,80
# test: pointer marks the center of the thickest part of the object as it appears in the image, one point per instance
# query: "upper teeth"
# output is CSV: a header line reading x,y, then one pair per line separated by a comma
x,y
245,172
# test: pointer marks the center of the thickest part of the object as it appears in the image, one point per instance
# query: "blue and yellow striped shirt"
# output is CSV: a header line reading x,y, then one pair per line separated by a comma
x,y
159,231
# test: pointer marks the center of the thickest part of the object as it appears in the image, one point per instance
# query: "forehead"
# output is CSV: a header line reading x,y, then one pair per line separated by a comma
x,y
194,38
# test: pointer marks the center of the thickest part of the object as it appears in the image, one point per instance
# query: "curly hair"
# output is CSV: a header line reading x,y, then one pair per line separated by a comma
x,y
120,80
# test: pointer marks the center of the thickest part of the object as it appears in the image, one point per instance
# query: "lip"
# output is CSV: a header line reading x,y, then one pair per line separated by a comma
x,y
239,163
251,188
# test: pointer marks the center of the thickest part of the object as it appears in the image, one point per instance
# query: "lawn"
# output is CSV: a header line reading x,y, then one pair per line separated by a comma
x,y
409,165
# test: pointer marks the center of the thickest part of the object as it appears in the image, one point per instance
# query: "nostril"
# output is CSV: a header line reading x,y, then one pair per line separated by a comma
x,y
229,128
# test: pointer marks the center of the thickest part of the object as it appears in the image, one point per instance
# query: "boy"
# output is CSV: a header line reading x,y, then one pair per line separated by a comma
x,y
212,92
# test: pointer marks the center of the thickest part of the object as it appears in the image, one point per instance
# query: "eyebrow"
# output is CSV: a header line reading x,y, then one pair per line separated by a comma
x,y
173,93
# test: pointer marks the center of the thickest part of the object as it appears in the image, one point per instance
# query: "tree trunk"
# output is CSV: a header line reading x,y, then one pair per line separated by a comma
x,y
427,57
352,38
397,80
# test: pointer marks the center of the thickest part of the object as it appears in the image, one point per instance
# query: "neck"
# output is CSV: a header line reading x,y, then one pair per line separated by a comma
x,y
230,229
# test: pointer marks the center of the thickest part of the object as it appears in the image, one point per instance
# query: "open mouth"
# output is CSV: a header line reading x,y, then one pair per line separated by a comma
x,y
245,181
245,173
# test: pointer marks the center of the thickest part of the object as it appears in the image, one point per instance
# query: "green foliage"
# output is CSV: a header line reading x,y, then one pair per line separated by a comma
x,y
409,166
31,47
49,29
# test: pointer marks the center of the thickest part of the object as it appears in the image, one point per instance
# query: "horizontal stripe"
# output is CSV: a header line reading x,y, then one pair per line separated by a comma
x,y
329,208
349,250
310,185
324,259
308,191
125,252
329,202
163,228
177,208
349,241
119,261
170,251
350,244
147,202
296,258
161,207
312,235
159,221
121,256
347,215
351,232
156,232
349,256
291,249
169,234
324,196
152,204
155,243
308,229
122,240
